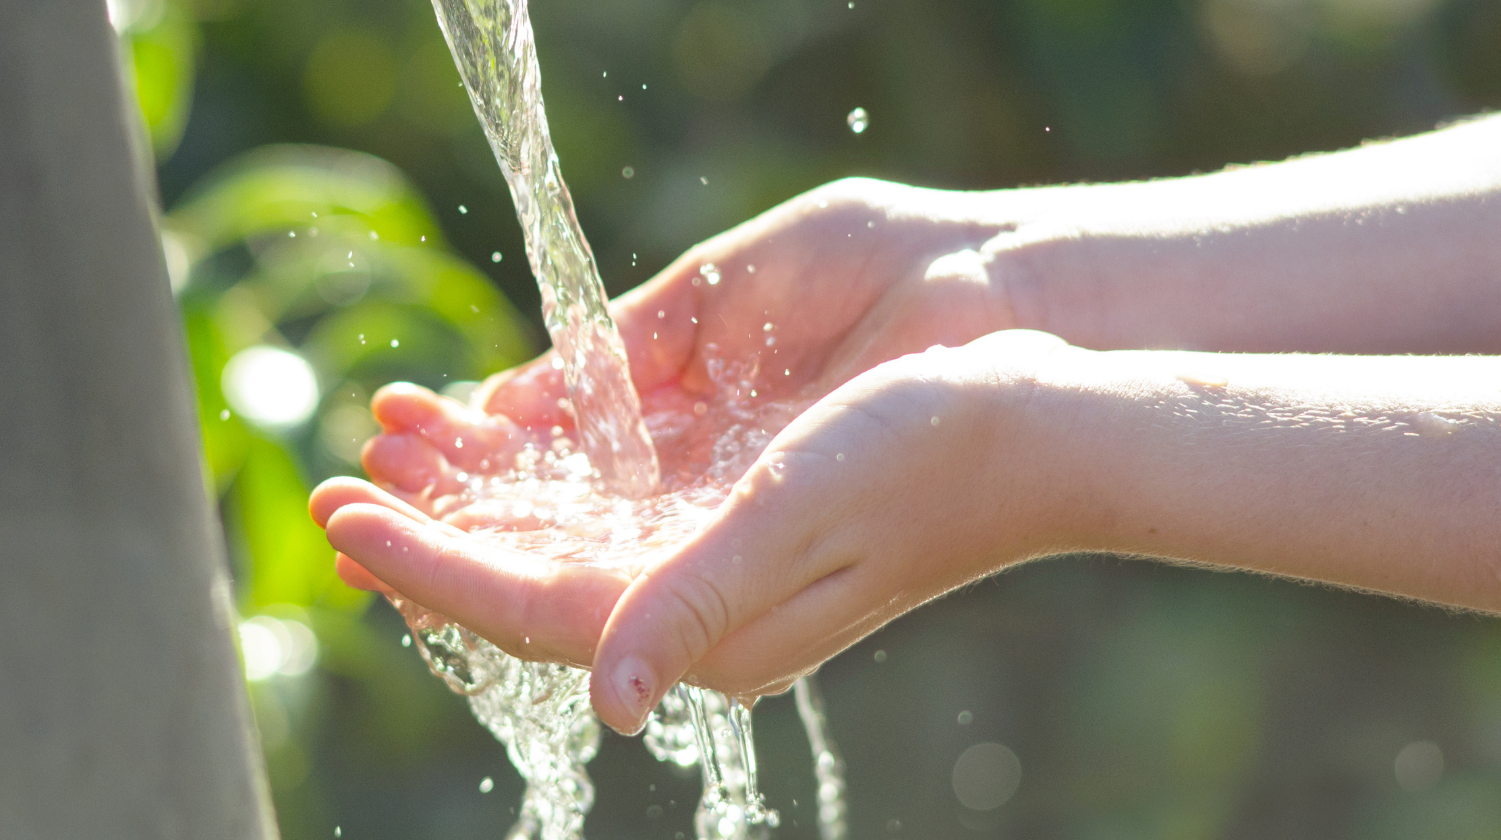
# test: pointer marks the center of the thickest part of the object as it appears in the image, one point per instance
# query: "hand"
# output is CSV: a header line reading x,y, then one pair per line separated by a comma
x,y
847,277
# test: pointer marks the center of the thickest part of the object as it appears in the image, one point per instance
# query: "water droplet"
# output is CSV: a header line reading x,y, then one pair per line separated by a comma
x,y
620,98
362,338
700,408
424,238
703,180
661,313
458,443
495,256
486,785
605,74
1047,128
1419,766
463,210
292,233
880,656
224,415
736,559
966,717
338,832
557,364
474,309
750,269
315,214
934,421
767,327
839,457
406,641
710,272
374,236
643,87
859,120
787,372
628,172
395,343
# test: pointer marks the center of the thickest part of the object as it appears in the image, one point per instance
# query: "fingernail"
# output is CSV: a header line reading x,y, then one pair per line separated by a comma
x,y
635,686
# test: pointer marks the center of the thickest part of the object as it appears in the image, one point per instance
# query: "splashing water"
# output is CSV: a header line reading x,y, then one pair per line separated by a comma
x,y
492,44
540,711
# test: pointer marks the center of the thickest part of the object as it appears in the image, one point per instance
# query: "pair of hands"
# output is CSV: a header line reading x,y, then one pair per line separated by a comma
x,y
900,481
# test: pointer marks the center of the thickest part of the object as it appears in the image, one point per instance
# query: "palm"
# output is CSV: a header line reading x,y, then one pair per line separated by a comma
x,y
777,312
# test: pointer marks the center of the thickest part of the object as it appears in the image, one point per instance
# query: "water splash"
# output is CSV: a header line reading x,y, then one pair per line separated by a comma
x,y
493,46
540,711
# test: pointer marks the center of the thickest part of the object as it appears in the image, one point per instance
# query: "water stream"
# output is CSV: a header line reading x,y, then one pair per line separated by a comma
x,y
598,497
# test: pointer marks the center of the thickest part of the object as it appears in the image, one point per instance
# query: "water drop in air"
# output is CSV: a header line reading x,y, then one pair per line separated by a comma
x,y
495,257
486,785
463,211
406,641
395,343
859,120
628,173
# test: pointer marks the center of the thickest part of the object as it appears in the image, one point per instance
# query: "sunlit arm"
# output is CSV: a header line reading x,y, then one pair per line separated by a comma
x,y
1380,473
1392,247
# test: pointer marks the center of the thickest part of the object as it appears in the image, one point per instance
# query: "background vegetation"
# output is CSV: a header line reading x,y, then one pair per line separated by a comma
x,y
328,192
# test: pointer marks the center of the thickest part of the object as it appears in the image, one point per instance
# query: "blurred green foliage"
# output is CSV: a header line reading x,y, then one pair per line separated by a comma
x,y
1143,701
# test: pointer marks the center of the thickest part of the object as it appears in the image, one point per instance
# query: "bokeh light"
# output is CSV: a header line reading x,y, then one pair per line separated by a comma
x,y
271,387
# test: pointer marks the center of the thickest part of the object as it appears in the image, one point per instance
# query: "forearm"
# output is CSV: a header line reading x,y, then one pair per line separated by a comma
x,y
1388,248
1375,473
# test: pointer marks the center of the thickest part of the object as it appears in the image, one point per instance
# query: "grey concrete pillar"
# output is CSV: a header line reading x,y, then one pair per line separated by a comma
x,y
123,713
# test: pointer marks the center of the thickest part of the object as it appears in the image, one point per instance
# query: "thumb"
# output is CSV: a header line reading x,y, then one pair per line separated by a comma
x,y
752,556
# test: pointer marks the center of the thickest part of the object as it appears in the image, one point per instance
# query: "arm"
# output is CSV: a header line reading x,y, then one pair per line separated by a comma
x,y
1388,248
1379,473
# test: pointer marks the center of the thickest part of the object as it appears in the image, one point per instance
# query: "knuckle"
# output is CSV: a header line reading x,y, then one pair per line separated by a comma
x,y
703,609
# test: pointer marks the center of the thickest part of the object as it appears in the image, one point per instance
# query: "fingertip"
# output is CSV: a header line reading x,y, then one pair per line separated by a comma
x,y
330,496
529,395
624,694
357,576
406,461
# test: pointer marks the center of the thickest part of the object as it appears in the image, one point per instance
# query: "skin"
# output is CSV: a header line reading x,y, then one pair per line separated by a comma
x,y
1033,426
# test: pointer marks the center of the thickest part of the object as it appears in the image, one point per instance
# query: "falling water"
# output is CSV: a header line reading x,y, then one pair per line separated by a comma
x,y
492,44
540,711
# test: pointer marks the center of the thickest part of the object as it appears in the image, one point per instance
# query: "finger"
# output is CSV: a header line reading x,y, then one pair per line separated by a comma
x,y
754,555
659,322
534,395
343,490
467,438
357,576
799,634
410,464
528,606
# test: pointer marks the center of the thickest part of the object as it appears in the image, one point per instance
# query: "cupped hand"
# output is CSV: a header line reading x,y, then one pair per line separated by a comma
x,y
864,506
